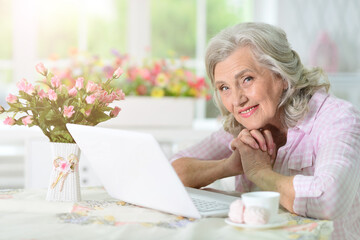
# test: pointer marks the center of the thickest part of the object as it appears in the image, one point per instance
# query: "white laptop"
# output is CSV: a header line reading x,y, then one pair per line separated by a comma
x,y
132,167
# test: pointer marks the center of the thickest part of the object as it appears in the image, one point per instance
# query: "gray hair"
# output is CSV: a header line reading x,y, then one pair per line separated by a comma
x,y
271,49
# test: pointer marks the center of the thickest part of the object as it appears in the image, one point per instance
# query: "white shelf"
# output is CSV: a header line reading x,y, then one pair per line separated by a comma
x,y
12,169
11,182
11,151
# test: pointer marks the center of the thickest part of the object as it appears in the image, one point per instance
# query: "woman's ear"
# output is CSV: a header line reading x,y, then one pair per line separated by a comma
x,y
285,84
284,81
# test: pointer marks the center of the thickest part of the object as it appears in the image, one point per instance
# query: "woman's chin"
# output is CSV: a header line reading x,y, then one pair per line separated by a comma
x,y
253,127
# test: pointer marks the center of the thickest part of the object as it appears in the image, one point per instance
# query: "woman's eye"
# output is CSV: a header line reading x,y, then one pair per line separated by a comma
x,y
248,79
223,88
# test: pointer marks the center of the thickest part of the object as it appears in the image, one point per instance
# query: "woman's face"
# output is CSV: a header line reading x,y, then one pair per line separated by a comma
x,y
249,91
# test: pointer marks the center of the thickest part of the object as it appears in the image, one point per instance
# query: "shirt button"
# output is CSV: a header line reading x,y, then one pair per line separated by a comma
x,y
318,193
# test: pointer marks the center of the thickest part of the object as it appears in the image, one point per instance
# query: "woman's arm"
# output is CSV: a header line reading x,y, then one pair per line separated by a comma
x,y
199,173
257,168
204,162
333,190
268,180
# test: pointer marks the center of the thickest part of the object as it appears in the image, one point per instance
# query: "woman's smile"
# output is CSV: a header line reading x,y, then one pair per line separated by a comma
x,y
247,112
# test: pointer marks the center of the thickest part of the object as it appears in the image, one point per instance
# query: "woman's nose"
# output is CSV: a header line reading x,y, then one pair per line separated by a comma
x,y
239,98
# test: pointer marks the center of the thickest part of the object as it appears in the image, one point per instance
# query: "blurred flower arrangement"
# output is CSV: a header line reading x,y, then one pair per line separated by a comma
x,y
161,78
56,101
156,78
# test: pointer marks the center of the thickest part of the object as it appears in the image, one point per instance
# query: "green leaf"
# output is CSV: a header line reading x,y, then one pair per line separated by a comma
x,y
105,109
98,116
62,136
50,115
16,105
47,83
78,118
25,96
82,110
68,101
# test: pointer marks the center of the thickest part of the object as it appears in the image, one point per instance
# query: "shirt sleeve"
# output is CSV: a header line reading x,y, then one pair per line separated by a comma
x,y
214,147
331,192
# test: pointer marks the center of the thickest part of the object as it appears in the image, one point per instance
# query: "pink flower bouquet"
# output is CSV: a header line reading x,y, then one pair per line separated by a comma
x,y
53,103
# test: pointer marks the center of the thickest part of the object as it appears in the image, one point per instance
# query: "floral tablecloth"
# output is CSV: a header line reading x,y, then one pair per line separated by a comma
x,y
24,214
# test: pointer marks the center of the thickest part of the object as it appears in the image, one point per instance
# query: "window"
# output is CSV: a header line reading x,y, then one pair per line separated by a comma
x,y
174,23
5,26
173,28
5,46
221,14
106,27
178,25
40,30
58,23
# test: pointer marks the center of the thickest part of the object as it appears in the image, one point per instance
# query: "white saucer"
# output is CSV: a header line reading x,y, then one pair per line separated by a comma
x,y
277,222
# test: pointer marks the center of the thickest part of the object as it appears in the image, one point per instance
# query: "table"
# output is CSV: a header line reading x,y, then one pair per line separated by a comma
x,y
25,214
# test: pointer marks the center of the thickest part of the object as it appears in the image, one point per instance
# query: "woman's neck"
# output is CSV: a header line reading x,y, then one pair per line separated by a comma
x,y
279,134
278,129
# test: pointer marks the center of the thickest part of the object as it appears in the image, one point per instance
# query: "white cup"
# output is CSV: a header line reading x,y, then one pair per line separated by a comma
x,y
264,199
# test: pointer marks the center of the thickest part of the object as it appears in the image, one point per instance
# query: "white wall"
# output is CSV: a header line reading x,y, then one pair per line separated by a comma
x,y
304,20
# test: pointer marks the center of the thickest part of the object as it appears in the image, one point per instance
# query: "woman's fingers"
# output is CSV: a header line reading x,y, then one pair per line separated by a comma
x,y
233,144
246,138
258,136
249,140
269,141
273,155
262,139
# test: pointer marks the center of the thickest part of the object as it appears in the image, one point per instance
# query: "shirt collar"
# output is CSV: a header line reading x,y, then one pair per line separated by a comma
x,y
315,104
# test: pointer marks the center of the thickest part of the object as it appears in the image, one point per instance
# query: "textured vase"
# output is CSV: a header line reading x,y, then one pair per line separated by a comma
x,y
64,182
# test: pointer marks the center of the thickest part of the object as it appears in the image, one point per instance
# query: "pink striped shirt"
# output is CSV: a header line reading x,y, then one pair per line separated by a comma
x,y
322,152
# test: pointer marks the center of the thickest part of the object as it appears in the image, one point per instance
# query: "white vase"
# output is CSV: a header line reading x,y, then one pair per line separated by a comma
x,y
64,182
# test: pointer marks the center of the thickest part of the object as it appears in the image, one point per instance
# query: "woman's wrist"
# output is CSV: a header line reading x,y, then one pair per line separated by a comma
x,y
266,179
232,165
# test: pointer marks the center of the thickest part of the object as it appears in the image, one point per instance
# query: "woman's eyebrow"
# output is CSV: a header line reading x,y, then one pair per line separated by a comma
x,y
242,72
237,76
219,82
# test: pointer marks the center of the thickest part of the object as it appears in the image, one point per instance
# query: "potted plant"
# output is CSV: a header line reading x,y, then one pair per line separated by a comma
x,y
50,105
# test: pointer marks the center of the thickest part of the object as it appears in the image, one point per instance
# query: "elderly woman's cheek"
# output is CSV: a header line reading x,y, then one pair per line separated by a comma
x,y
227,103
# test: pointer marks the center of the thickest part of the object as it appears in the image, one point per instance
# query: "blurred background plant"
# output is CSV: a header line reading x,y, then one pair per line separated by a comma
x,y
151,77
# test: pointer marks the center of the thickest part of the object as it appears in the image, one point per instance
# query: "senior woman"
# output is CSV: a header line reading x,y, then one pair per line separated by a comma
x,y
282,131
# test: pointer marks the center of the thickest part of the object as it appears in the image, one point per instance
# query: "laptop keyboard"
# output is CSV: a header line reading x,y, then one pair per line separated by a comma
x,y
207,205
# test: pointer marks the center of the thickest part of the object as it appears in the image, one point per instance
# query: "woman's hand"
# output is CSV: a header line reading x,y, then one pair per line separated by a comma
x,y
256,149
257,139
253,160
233,165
